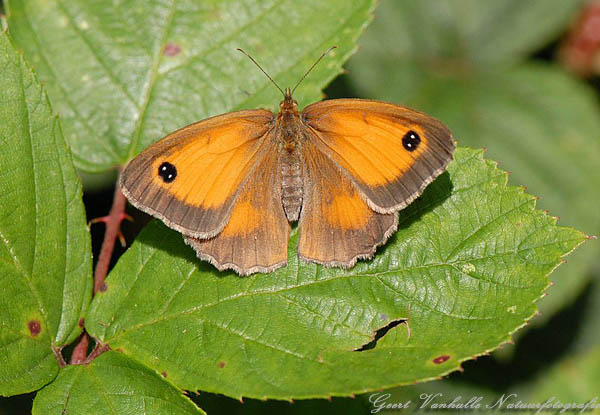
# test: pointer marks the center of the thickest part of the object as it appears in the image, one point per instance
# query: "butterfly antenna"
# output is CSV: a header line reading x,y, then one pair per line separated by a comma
x,y
312,67
263,71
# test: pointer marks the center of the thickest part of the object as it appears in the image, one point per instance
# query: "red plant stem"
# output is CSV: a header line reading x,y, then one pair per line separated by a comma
x,y
80,350
112,232
113,225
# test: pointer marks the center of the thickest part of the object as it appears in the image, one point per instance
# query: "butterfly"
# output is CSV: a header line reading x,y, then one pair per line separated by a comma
x,y
342,168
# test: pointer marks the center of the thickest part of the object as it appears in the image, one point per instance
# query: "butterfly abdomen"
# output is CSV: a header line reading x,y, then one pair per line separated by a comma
x,y
291,183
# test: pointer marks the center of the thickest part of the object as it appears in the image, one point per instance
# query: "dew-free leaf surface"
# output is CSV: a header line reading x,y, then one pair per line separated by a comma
x,y
122,76
462,273
45,255
111,384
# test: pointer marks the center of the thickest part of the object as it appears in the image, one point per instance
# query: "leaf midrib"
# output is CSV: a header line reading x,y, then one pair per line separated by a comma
x,y
153,79
273,292
376,276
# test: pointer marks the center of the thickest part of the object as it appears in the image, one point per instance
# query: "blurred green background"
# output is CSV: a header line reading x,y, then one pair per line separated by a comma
x,y
522,80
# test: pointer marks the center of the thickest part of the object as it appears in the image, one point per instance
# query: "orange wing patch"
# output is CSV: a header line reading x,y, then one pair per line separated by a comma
x,y
191,178
367,145
390,153
347,210
213,166
336,226
256,237
245,218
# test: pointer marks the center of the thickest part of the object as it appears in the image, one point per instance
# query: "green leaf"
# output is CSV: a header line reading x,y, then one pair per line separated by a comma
x,y
468,262
576,379
111,383
45,254
219,404
535,120
123,76
461,35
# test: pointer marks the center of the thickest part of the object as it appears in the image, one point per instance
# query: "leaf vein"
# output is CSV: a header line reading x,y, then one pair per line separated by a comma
x,y
483,227
153,79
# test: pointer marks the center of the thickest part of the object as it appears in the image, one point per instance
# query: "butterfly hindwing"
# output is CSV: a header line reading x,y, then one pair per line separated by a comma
x,y
256,237
336,225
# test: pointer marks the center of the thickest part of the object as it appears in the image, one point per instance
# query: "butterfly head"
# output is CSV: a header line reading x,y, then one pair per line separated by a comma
x,y
289,104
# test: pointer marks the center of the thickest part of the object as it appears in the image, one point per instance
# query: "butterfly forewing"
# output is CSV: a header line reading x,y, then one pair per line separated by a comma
x,y
191,178
390,153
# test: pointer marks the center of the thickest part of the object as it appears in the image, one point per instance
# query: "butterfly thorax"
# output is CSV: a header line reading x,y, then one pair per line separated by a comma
x,y
288,134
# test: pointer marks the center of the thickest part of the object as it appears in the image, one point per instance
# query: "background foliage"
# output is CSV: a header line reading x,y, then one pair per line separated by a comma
x,y
485,68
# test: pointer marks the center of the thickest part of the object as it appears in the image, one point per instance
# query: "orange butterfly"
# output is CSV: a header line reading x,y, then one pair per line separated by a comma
x,y
342,168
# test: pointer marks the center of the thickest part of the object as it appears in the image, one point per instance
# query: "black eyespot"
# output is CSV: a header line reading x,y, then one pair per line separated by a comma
x,y
167,171
411,141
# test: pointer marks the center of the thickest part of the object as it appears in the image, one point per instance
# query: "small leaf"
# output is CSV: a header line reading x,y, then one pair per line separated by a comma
x,y
123,76
468,262
111,383
45,254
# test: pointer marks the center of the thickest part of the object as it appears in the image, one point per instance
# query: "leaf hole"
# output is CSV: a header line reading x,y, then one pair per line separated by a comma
x,y
380,332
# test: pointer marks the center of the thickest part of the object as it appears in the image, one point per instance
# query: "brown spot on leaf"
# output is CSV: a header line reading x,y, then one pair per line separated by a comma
x,y
441,359
81,322
35,327
164,374
222,364
172,49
